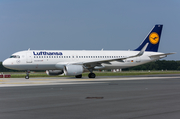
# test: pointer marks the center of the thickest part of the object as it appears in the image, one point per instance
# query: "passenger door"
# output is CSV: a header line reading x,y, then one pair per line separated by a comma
x,y
138,59
28,57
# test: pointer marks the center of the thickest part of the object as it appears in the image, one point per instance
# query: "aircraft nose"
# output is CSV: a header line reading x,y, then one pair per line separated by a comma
x,y
6,63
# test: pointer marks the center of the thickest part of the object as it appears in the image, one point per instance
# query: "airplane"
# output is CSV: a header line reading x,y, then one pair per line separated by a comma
x,y
75,62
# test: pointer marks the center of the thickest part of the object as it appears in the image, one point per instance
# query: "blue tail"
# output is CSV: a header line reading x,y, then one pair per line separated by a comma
x,y
153,39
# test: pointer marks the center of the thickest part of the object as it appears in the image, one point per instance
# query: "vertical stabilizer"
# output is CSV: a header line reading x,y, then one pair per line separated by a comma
x,y
153,39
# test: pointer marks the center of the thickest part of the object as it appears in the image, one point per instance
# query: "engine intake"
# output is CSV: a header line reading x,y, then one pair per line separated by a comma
x,y
54,72
73,70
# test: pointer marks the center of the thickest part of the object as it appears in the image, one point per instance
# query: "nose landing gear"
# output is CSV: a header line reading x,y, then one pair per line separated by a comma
x,y
27,75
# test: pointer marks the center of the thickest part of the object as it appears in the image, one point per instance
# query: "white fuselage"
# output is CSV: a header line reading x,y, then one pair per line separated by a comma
x,y
56,60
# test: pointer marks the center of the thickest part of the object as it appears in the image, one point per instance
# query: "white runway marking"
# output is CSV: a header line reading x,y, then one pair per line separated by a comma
x,y
59,81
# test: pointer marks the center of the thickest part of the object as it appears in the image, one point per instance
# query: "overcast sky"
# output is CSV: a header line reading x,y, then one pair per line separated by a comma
x,y
87,25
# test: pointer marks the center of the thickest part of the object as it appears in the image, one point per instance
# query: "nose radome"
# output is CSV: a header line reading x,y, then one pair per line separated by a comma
x,y
5,63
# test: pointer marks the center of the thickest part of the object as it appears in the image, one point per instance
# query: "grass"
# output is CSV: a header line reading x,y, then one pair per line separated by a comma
x,y
123,73
128,73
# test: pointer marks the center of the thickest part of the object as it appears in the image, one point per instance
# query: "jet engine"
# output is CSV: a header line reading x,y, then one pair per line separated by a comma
x,y
54,72
73,70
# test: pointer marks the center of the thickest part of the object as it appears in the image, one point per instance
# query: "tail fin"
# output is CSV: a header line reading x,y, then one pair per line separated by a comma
x,y
153,39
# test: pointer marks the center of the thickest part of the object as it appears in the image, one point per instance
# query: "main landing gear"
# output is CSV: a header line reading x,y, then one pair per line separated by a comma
x,y
79,76
27,75
92,75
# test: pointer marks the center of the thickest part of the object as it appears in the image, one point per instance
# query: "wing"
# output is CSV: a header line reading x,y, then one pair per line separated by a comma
x,y
92,64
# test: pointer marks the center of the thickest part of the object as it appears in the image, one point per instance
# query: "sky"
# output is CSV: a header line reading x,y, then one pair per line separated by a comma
x,y
87,25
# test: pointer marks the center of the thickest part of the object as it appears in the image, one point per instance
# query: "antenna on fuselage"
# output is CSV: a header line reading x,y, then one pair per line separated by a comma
x,y
29,49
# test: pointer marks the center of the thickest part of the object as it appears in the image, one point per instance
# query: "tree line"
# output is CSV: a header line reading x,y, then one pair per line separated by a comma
x,y
156,65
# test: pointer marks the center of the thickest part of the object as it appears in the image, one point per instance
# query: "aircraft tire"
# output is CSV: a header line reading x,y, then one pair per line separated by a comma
x,y
26,77
79,76
92,75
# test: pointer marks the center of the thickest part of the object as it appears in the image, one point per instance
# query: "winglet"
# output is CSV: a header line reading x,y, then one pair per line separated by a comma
x,y
142,50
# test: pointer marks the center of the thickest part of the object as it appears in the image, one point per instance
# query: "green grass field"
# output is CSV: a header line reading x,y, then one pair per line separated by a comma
x,y
123,73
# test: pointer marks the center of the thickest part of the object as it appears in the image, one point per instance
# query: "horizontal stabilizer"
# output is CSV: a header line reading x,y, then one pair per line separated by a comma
x,y
162,55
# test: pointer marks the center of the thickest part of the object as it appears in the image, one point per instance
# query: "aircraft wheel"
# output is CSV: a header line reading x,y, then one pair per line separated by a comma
x,y
79,76
92,75
27,77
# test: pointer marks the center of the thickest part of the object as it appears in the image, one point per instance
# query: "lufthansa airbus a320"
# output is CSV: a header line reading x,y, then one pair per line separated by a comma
x,y
75,62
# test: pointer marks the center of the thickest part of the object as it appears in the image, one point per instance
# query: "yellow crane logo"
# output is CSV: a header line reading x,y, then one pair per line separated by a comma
x,y
154,38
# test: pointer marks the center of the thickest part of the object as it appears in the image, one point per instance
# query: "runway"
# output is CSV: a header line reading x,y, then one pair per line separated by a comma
x,y
127,97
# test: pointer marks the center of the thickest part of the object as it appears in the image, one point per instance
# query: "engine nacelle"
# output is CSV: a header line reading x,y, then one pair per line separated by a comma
x,y
73,70
54,72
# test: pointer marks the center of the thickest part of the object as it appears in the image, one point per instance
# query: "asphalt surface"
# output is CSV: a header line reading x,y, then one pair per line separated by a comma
x,y
144,97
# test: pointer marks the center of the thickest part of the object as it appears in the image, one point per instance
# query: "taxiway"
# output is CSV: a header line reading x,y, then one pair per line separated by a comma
x,y
139,97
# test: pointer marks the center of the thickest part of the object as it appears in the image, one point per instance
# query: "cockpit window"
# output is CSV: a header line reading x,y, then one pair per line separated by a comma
x,y
14,56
